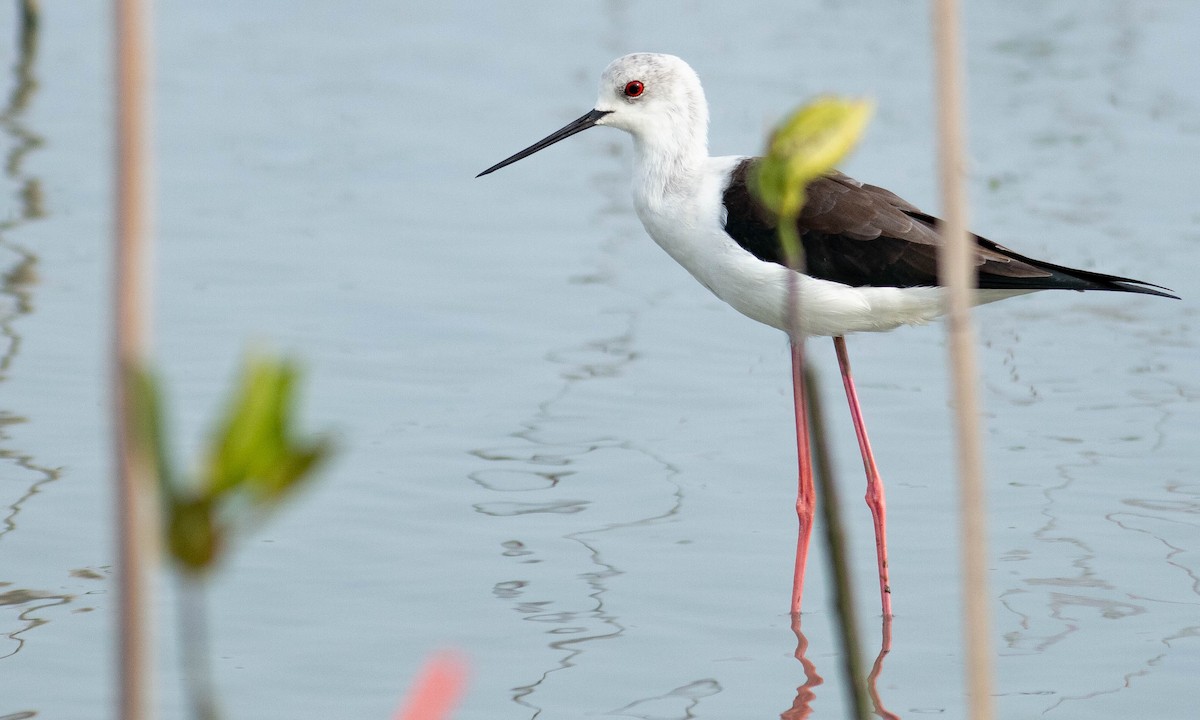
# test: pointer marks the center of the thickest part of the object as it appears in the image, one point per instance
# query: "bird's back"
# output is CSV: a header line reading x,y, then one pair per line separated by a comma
x,y
865,236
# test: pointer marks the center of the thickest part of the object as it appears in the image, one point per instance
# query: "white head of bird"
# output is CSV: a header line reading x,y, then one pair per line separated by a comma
x,y
677,187
658,100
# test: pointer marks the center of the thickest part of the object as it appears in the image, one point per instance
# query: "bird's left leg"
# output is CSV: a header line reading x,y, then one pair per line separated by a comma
x,y
875,498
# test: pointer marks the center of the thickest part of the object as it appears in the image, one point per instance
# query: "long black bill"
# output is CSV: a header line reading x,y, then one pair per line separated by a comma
x,y
577,126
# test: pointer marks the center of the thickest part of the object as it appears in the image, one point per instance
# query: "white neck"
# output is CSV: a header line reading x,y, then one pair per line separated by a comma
x,y
668,162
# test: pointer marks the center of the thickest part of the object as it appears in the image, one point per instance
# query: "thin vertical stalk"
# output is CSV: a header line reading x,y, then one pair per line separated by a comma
x,y
957,269
808,400
839,558
136,505
793,253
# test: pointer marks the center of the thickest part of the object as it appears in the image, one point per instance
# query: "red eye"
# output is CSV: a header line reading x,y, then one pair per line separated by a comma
x,y
634,88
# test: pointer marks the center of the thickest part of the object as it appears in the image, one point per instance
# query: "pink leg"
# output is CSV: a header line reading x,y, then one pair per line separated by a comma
x,y
875,499
806,499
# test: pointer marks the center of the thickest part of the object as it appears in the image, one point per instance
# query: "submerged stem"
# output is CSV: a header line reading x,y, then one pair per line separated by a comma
x,y
194,643
835,541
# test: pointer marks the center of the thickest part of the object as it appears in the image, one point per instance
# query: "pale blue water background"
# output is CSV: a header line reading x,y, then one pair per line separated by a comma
x,y
559,453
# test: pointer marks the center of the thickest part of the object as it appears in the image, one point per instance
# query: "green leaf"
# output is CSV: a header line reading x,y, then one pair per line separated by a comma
x,y
250,435
147,427
253,451
290,471
805,146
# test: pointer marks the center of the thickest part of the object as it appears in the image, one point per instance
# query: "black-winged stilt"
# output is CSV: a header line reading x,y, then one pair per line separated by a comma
x,y
870,257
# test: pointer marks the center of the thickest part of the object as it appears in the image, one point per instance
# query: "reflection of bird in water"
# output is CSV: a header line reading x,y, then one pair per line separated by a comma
x,y
805,694
870,257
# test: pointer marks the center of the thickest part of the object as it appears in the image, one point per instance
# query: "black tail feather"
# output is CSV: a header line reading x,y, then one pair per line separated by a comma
x,y
1062,277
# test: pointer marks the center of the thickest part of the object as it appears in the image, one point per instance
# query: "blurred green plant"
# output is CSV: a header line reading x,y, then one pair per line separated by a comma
x,y
254,461
805,146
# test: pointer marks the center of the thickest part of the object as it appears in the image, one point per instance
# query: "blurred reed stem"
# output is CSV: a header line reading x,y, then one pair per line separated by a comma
x,y
957,273
137,527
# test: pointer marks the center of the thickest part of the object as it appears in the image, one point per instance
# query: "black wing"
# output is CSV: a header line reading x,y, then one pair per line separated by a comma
x,y
862,235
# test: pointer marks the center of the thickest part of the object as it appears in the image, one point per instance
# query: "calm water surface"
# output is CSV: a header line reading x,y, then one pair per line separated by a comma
x,y
559,453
